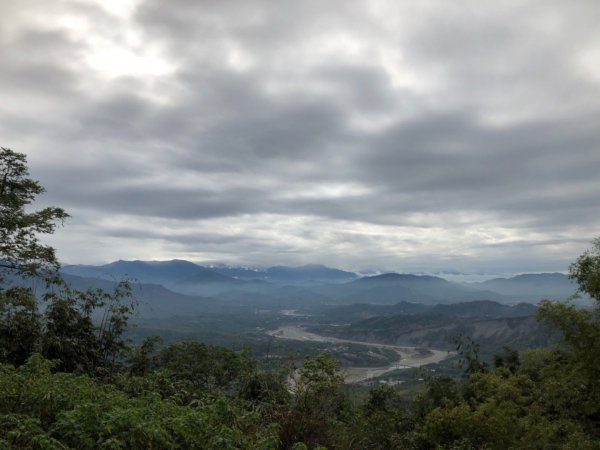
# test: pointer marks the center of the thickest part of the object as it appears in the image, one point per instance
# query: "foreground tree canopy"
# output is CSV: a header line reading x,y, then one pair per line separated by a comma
x,y
69,380
20,250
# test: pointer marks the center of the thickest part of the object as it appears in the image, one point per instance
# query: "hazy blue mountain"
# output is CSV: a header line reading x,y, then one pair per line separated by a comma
x,y
161,272
306,275
189,278
531,287
154,300
180,276
317,284
241,273
392,288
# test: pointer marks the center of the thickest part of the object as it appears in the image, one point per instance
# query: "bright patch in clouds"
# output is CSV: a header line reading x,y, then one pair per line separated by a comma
x,y
113,62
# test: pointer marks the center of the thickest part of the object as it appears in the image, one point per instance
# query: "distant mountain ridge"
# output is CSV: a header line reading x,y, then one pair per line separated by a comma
x,y
393,287
302,275
395,277
328,285
185,272
147,271
532,286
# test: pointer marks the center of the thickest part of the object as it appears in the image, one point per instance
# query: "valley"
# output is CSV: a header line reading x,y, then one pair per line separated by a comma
x,y
408,357
372,325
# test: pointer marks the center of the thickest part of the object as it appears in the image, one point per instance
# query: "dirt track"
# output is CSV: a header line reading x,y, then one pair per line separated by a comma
x,y
408,357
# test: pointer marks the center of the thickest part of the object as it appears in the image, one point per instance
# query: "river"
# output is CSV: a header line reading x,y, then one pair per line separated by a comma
x,y
408,357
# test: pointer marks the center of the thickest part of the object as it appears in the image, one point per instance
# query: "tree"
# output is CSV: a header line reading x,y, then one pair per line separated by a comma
x,y
141,359
580,330
586,271
21,253
20,324
540,398
66,331
73,337
318,403
580,327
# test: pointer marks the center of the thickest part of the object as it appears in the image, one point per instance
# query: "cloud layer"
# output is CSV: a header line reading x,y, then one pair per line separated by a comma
x,y
387,135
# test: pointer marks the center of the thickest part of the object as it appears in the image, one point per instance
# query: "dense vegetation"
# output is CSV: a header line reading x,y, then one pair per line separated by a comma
x,y
69,379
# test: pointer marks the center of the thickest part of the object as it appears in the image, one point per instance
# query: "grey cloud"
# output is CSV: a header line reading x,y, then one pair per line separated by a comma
x,y
511,56
36,67
363,87
257,24
477,165
183,239
493,125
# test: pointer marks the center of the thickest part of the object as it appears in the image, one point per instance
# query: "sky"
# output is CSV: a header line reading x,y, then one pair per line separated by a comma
x,y
428,136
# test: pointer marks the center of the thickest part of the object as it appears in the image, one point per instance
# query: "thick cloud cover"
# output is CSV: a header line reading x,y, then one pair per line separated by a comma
x,y
388,135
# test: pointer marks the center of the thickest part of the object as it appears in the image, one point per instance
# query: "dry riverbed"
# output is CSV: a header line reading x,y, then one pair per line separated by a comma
x,y
408,357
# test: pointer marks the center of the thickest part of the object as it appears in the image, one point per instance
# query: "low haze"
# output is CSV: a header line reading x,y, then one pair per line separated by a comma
x,y
411,136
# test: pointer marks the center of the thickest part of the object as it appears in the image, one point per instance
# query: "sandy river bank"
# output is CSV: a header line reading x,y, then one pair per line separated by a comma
x,y
408,357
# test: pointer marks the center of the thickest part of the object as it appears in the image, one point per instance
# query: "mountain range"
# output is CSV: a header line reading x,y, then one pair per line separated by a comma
x,y
187,277
531,287
183,287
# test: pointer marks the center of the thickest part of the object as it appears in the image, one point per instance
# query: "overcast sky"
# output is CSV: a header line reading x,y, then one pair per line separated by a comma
x,y
400,135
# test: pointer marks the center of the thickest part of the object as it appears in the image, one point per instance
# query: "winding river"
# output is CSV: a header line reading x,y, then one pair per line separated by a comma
x,y
408,357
